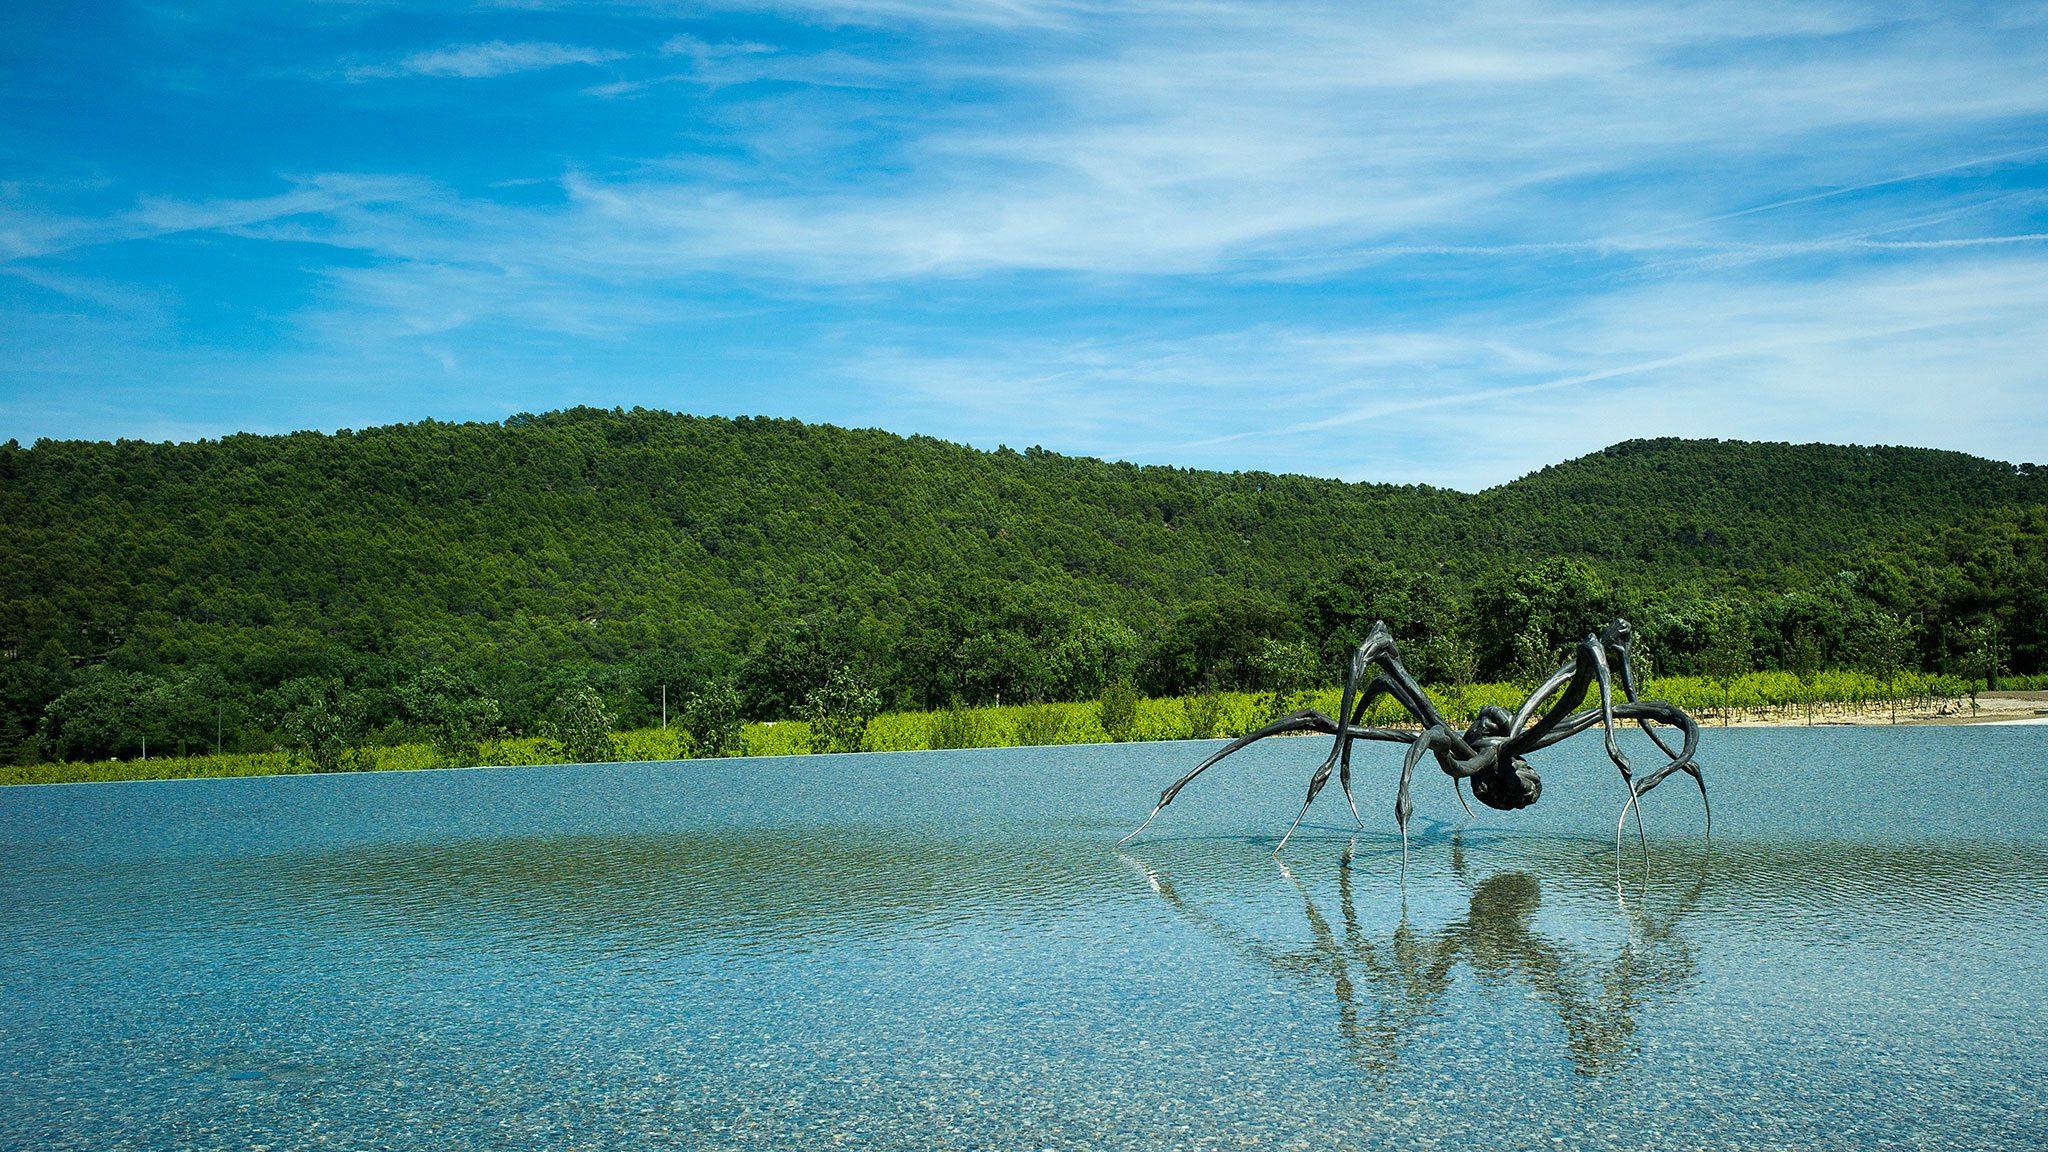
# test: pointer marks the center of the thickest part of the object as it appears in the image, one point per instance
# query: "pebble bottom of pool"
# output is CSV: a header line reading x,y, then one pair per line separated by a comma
x,y
948,950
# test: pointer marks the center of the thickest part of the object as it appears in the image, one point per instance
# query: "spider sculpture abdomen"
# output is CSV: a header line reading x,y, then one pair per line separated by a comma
x,y
1514,786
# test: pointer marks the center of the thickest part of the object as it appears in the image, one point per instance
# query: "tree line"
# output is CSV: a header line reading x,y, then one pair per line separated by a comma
x,y
564,574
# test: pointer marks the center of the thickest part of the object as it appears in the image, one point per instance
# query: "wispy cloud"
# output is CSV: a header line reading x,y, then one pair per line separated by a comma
x,y
1267,135
708,52
479,61
322,204
1480,398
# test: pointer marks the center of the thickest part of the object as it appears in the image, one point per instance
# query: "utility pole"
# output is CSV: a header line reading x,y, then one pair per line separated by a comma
x,y
664,707
145,747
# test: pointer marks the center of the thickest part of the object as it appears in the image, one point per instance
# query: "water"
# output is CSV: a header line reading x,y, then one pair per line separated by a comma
x,y
947,950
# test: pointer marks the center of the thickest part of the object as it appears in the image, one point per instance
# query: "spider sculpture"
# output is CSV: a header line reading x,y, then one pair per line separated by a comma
x,y
1490,752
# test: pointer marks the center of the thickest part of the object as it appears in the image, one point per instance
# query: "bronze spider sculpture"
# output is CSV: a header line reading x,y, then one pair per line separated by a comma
x,y
1490,752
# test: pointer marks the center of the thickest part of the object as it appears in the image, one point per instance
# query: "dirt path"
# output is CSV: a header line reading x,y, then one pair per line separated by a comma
x,y
1992,708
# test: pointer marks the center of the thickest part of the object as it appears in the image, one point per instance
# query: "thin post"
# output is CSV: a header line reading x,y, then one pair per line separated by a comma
x,y
145,747
664,707
218,708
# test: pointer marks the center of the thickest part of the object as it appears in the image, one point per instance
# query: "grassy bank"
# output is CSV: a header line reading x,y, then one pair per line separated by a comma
x,y
1770,697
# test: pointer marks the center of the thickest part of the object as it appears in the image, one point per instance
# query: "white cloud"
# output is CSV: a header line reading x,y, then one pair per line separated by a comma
x,y
972,14
1941,357
705,51
1270,139
496,58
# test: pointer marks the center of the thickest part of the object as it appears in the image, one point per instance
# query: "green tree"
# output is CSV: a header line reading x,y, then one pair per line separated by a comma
x,y
1803,659
1215,644
1117,710
1536,657
1545,608
1982,657
789,662
581,727
1000,661
1419,606
27,687
713,717
670,674
1287,672
1887,644
1092,655
453,712
1727,657
323,725
1458,669
839,711
105,713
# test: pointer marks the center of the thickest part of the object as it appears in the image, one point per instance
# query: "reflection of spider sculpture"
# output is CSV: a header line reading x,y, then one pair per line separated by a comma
x,y
1389,984
1489,753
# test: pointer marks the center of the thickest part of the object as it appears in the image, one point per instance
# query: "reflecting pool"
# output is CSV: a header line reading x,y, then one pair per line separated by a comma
x,y
947,950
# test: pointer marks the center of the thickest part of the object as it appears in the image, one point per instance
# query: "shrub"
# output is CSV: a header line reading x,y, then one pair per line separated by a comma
x,y
1204,712
322,725
954,726
1040,724
838,712
1119,710
713,719
582,726
452,712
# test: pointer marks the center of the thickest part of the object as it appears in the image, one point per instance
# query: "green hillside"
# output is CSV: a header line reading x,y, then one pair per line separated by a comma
x,y
634,549
1662,508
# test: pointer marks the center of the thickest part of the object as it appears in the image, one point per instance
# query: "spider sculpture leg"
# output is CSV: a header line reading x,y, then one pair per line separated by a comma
x,y
1322,774
1668,714
1588,666
1644,711
1620,639
1382,685
1594,650
1438,737
1665,712
1378,643
1302,720
1397,682
1379,649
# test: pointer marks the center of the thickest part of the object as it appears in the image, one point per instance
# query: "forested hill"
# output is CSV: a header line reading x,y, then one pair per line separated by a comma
x,y
600,536
1763,514
635,524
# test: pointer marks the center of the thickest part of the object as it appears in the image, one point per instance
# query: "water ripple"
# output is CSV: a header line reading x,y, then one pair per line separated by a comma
x,y
947,951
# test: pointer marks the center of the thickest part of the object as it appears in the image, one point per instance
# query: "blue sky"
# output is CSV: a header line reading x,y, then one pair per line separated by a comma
x,y
1426,243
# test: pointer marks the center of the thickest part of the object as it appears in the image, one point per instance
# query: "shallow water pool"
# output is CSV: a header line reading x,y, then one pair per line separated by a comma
x,y
947,950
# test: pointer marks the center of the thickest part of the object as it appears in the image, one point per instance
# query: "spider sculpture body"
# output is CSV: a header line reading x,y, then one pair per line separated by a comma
x,y
1490,752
